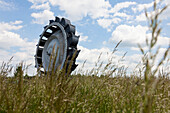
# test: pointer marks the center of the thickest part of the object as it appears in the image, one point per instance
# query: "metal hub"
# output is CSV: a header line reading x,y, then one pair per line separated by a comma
x,y
49,51
54,46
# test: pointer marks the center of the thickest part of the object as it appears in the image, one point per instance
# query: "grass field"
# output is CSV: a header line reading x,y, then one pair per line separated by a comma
x,y
84,94
144,91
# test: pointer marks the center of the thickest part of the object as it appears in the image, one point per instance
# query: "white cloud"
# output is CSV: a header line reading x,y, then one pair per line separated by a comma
x,y
166,14
121,5
133,35
104,42
10,26
91,56
44,6
135,49
165,2
105,23
6,5
45,15
82,37
161,54
141,17
37,1
130,35
168,24
132,60
42,17
17,22
163,41
108,23
115,16
141,7
10,40
77,9
124,15
5,56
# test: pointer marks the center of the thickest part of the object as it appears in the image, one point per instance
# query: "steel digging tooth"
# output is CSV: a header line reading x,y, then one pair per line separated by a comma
x,y
42,42
46,34
71,52
45,26
74,67
53,29
70,28
51,21
65,22
57,19
74,40
39,57
78,53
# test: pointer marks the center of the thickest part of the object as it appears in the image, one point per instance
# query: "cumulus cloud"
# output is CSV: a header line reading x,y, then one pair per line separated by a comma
x,y
166,14
44,6
42,17
91,56
141,7
133,35
17,22
141,17
116,15
105,23
123,15
10,26
10,40
5,55
121,5
77,9
167,2
7,40
83,38
6,5
37,1
108,23
130,35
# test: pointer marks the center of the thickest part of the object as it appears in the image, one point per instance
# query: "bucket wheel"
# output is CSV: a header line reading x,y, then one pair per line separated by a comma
x,y
58,36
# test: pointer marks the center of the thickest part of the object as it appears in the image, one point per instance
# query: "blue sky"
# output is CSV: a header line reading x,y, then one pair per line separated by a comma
x,y
101,24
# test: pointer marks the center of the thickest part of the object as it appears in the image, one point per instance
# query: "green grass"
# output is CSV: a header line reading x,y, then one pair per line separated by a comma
x,y
144,91
81,94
